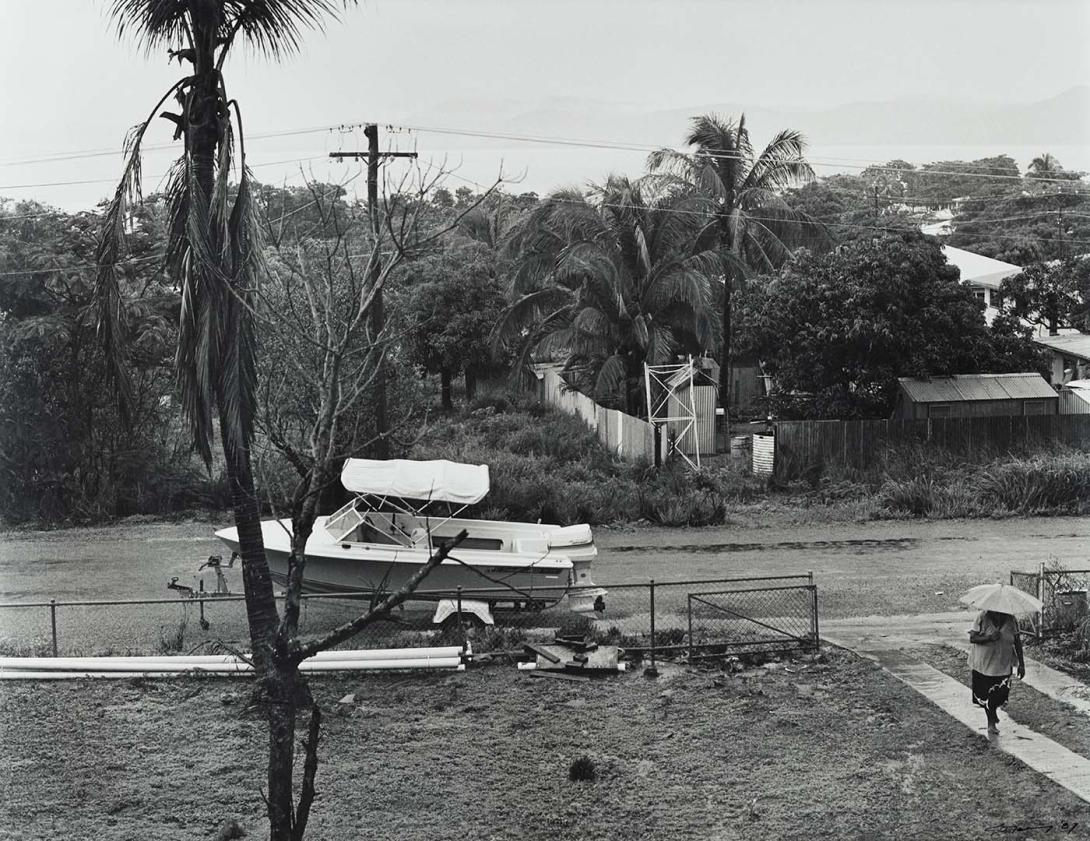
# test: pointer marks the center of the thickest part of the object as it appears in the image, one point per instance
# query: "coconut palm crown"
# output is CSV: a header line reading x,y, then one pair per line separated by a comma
x,y
608,280
748,218
213,250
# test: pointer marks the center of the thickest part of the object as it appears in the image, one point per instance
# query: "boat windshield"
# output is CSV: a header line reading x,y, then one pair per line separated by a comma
x,y
343,522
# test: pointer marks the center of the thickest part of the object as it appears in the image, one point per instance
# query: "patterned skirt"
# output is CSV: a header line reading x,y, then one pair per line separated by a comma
x,y
991,691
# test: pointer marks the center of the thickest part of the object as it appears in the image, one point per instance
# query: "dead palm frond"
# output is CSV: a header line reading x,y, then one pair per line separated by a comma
x,y
213,249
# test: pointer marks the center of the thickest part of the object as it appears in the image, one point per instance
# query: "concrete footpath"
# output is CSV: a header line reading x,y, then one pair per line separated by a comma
x,y
886,640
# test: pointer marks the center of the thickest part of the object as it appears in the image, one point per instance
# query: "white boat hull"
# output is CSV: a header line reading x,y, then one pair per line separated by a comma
x,y
503,577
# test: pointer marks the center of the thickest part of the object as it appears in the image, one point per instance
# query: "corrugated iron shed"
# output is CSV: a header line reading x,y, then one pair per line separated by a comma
x,y
967,387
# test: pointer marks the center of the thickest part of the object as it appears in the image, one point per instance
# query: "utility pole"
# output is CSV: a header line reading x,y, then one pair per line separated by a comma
x,y
378,315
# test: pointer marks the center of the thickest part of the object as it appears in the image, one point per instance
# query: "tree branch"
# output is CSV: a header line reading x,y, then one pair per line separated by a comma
x,y
383,609
310,771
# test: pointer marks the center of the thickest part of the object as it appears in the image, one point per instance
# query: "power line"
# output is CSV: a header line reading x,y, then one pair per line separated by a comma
x,y
158,147
159,176
964,169
640,147
86,265
824,222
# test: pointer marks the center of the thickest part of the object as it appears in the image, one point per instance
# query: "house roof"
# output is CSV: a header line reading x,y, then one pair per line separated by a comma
x,y
967,387
978,270
1070,344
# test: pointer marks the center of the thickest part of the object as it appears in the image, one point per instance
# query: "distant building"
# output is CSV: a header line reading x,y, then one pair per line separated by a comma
x,y
983,275
1070,354
975,395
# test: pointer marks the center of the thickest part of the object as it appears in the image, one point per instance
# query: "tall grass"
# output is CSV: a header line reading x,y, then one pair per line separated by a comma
x,y
1043,484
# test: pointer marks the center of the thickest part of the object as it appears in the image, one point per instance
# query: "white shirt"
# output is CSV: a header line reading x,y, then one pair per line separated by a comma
x,y
995,659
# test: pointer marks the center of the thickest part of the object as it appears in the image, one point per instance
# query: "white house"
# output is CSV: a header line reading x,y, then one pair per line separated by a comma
x,y
983,275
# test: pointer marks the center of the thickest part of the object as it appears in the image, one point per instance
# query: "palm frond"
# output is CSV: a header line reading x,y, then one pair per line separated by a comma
x,y
781,164
527,311
238,375
109,252
593,320
272,27
611,378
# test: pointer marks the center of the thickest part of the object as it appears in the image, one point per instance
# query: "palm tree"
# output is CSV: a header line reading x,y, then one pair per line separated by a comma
x,y
750,221
1044,166
214,256
607,282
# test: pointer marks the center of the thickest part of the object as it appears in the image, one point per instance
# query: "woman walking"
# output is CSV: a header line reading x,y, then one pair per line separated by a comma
x,y
995,646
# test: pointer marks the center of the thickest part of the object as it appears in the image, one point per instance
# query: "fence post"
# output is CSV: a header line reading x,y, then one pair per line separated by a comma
x,y
53,622
1040,622
652,671
814,615
689,613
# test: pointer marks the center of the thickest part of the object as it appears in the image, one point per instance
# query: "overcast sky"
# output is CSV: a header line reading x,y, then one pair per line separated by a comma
x,y
72,85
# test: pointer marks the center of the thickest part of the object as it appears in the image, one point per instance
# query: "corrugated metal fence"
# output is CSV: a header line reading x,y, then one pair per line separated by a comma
x,y
630,438
805,446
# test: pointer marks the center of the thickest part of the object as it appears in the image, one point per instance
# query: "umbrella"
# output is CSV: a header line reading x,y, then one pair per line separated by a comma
x,y
1002,598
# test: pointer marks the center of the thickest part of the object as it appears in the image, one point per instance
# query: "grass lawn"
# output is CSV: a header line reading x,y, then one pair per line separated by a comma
x,y
826,750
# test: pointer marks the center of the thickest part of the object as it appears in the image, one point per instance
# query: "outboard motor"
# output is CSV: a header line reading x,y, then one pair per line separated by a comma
x,y
210,581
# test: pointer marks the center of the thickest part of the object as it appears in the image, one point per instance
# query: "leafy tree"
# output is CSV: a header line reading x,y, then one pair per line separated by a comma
x,y
443,198
1048,294
836,331
941,182
749,220
607,281
1044,222
64,453
454,301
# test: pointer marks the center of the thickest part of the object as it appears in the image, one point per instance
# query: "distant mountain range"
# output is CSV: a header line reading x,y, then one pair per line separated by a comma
x,y
1060,120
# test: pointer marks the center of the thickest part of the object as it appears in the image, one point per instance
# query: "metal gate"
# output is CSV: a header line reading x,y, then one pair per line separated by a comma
x,y
757,619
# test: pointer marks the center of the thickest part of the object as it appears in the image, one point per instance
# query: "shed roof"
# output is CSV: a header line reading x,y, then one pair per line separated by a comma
x,y
968,387
978,270
1071,344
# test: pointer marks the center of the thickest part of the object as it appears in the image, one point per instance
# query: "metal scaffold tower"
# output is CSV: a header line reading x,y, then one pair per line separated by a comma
x,y
671,408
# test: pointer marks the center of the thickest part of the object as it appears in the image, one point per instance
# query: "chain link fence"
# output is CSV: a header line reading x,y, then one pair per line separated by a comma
x,y
765,618
1063,594
637,616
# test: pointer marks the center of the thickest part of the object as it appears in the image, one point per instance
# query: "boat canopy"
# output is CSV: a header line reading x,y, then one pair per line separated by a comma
x,y
434,481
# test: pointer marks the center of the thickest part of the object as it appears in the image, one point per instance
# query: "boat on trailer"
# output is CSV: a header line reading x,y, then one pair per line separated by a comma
x,y
402,510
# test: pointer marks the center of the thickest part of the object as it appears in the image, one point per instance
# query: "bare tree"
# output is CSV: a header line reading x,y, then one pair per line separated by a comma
x,y
314,312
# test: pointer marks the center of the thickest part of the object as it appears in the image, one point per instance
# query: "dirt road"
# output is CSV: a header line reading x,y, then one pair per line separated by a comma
x,y
885,568
902,567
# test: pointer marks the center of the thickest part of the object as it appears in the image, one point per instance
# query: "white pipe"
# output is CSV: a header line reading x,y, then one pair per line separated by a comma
x,y
97,663
28,674
91,664
377,665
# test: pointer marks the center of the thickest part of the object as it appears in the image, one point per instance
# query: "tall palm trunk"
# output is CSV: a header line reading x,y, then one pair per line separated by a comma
x,y
203,136
727,240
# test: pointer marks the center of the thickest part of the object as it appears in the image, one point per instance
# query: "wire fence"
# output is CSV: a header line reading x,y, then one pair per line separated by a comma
x,y
1063,595
646,616
760,618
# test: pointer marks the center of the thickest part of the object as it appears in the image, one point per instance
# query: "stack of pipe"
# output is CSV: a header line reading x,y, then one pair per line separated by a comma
x,y
450,658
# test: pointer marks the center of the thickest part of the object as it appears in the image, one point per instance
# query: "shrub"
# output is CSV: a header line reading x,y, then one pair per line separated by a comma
x,y
582,770
1036,486
172,641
